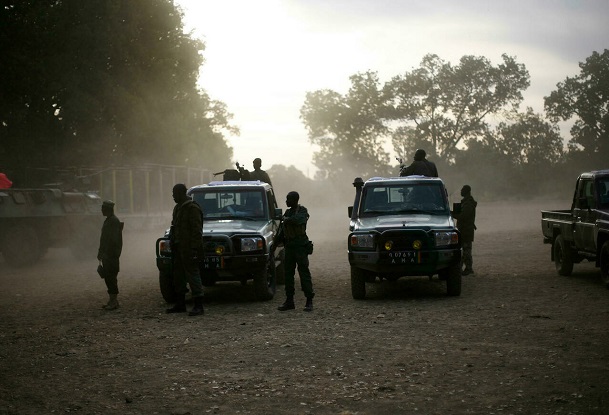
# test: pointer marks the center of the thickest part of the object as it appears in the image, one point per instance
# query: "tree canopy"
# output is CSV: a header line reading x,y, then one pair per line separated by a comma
x,y
585,98
448,105
348,129
108,82
438,106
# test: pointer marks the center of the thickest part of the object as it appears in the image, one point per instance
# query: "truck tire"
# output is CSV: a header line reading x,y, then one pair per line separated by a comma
x,y
604,263
358,283
264,282
453,281
166,285
20,245
563,257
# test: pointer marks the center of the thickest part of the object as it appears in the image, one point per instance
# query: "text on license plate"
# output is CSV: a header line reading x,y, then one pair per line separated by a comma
x,y
406,257
213,262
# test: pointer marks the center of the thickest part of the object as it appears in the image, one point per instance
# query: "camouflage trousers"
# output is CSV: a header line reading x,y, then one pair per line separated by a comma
x,y
111,278
186,271
467,260
296,256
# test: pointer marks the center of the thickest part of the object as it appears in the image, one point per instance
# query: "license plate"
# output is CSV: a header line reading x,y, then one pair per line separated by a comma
x,y
213,262
405,257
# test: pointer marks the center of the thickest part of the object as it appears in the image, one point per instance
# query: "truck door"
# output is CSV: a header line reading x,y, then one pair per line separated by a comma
x,y
584,216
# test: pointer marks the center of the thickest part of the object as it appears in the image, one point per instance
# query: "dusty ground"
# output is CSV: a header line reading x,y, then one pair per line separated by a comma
x,y
519,340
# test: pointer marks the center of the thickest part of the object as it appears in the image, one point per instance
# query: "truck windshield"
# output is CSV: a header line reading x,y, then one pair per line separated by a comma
x,y
404,198
231,203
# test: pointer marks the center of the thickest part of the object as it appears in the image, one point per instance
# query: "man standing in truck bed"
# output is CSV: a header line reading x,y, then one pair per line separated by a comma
x,y
186,245
420,166
258,173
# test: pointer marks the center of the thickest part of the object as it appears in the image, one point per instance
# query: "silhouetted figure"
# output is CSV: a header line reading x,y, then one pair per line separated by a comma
x,y
110,248
466,223
258,173
186,245
420,166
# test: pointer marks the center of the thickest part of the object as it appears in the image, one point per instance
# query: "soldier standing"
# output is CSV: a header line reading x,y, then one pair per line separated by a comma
x,y
110,248
466,223
258,173
420,166
297,246
186,244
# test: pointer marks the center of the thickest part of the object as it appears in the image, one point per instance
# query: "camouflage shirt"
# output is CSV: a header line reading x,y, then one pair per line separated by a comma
x,y
187,225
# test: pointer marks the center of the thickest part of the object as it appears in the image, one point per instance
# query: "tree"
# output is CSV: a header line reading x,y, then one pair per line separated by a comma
x,y
585,97
449,105
105,82
529,140
348,129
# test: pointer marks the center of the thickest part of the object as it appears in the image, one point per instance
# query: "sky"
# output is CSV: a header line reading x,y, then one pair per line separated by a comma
x,y
263,56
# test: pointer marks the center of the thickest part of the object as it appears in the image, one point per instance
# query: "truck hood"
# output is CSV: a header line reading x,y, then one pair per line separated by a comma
x,y
382,223
234,226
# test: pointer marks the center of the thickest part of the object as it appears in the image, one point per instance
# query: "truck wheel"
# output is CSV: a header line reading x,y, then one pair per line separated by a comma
x,y
264,282
453,281
358,283
279,268
604,263
20,245
563,258
166,284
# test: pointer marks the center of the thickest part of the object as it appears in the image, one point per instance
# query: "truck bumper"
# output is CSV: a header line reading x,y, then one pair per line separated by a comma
x,y
407,263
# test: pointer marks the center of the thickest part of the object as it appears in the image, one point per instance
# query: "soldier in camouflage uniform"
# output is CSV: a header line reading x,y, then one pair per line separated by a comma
x,y
110,248
420,166
186,245
297,247
466,223
258,173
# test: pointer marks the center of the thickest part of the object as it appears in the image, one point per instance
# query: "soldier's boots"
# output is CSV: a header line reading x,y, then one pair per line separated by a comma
x,y
197,310
178,307
112,303
309,305
287,305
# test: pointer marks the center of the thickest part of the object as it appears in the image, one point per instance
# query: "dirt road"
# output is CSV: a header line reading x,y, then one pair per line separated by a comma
x,y
519,340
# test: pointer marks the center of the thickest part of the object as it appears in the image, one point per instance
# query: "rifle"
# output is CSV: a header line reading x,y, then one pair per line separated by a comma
x,y
402,165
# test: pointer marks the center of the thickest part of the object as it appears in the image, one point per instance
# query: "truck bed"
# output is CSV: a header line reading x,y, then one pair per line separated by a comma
x,y
551,219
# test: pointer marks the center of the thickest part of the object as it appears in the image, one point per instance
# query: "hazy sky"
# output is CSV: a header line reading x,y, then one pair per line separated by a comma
x,y
263,56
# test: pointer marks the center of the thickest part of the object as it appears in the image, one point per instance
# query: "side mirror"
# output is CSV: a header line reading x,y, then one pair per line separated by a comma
x,y
456,208
350,210
278,213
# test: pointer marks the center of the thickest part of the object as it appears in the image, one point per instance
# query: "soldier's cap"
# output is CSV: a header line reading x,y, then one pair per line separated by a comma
x,y
108,203
257,160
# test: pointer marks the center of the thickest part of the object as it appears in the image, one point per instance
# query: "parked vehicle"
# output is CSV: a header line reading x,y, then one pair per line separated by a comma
x,y
240,219
582,232
400,227
34,220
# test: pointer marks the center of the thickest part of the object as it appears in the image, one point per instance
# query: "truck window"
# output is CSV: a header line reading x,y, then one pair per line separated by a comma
x,y
587,192
404,198
221,203
603,192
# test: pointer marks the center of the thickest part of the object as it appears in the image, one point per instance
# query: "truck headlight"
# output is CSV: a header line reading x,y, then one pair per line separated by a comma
x,y
445,238
364,240
251,244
